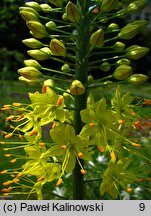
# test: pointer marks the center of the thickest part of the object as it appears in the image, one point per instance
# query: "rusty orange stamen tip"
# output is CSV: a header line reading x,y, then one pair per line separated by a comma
x,y
83,172
130,190
17,104
136,145
64,147
9,118
59,101
12,161
44,89
7,155
91,125
8,135
121,121
16,180
7,183
113,157
41,144
59,182
147,102
54,125
1,142
101,148
34,132
4,108
3,172
19,174
40,179
80,155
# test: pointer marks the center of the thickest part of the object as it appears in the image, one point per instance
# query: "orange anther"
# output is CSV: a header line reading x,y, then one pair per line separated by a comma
x,y
3,172
83,172
7,183
91,125
59,182
64,147
44,89
101,148
130,190
136,145
34,132
121,121
13,160
40,179
113,157
17,104
80,155
9,135
59,101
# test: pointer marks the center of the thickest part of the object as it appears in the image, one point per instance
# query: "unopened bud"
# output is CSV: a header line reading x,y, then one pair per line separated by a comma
x,y
65,68
77,88
45,8
113,26
122,72
72,12
105,66
50,25
32,43
37,29
28,81
97,38
57,3
33,5
108,5
136,6
29,9
138,79
30,72
38,54
28,16
57,47
119,46
128,31
136,52
49,82
123,61
32,63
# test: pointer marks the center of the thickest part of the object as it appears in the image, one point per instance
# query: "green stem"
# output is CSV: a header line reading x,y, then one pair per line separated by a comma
x,y
81,74
58,72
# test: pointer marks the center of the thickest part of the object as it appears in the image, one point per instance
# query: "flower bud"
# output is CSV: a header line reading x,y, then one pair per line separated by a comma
x,y
65,68
29,9
108,5
32,63
64,17
113,26
29,72
45,8
38,54
50,25
90,79
136,6
142,23
49,82
129,31
138,79
73,13
77,88
105,66
57,3
123,61
33,5
122,72
97,38
37,29
136,52
28,81
32,43
28,16
119,46
57,47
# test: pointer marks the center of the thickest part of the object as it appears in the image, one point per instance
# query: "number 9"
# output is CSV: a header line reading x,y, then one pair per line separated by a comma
x,y
141,206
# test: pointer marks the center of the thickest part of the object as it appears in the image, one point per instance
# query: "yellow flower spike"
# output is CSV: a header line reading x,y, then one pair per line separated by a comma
x,y
101,148
17,104
34,132
59,182
13,160
3,172
130,190
113,157
7,183
136,145
80,155
64,147
83,171
60,100
9,118
41,179
9,135
91,125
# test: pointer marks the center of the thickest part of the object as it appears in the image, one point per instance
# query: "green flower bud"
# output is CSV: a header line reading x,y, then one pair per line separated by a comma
x,y
28,81
108,5
33,5
32,63
90,79
123,61
28,16
73,13
138,79
45,8
97,38
113,26
28,9
136,52
136,6
64,17
37,29
49,82
105,66
122,72
119,46
30,73
58,3
108,84
65,68
142,23
57,47
77,88
50,25
38,54
32,43
46,50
